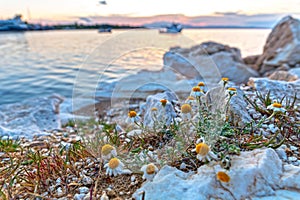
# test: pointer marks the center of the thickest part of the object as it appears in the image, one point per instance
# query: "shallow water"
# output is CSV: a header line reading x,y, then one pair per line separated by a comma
x,y
37,64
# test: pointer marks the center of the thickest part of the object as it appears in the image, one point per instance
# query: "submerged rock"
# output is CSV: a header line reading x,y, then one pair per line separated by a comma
x,y
254,174
30,117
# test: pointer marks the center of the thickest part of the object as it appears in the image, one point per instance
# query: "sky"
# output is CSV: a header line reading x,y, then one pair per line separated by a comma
x,y
264,13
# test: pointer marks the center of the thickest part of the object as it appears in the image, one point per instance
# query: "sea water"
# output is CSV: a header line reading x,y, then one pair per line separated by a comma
x,y
35,64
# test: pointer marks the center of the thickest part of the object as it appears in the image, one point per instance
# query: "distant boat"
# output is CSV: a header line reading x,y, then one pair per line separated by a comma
x,y
14,24
174,28
103,2
104,30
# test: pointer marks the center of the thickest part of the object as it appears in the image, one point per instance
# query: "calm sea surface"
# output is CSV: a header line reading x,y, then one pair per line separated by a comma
x,y
34,64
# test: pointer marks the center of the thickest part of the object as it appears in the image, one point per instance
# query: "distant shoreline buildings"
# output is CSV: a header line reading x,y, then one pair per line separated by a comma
x,y
17,24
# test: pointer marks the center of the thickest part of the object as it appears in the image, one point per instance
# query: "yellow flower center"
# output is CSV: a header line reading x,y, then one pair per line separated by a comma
x,y
202,149
150,169
186,108
106,149
201,84
154,109
113,163
163,101
191,98
225,79
196,89
277,105
222,176
132,114
231,89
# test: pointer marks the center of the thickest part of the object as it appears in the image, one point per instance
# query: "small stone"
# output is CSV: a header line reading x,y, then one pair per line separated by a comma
x,y
256,116
88,197
79,196
182,166
126,171
83,190
58,181
281,153
111,193
59,191
127,140
272,128
132,178
292,159
293,148
87,180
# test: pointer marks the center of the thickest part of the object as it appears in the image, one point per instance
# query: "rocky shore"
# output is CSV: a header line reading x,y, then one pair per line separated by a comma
x,y
256,145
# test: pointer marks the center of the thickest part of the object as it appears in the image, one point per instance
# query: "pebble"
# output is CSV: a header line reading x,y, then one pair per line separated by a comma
x,y
87,180
79,196
272,128
182,166
132,178
256,116
58,181
281,153
83,190
292,159
59,191
293,148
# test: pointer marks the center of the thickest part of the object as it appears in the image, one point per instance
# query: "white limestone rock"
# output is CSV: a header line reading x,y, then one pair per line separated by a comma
x,y
295,71
254,175
163,114
209,61
216,98
282,46
278,89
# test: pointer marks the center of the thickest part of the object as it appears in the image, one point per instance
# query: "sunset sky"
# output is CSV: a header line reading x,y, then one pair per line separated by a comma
x,y
138,12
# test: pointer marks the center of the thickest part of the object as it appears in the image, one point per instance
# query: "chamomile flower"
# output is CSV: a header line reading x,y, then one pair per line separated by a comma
x,y
190,100
277,108
203,152
196,92
225,80
107,152
201,84
223,177
133,117
154,109
186,110
231,91
149,171
163,102
114,167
